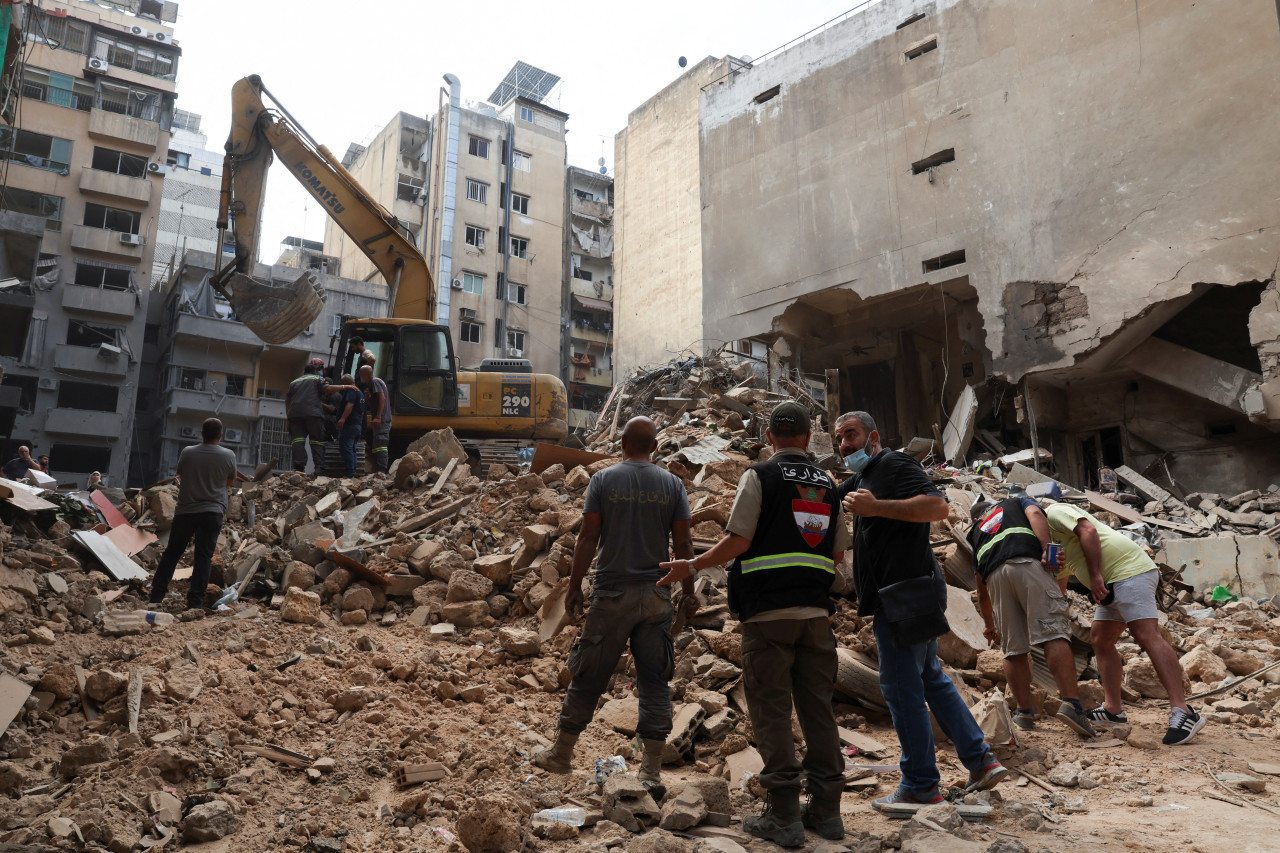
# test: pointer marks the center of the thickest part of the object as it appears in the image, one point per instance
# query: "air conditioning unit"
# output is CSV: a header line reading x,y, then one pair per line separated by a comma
x,y
101,66
515,352
161,37
157,168
456,284
109,350
140,31
131,239
190,432
47,384
232,435
468,313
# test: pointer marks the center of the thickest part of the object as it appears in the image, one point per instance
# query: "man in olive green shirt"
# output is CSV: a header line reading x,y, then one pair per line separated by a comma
x,y
1123,582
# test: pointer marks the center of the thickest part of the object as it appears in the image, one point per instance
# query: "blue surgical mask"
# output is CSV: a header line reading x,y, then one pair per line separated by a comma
x,y
856,461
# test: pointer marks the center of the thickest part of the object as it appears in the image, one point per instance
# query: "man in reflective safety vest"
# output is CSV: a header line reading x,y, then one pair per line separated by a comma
x,y
786,532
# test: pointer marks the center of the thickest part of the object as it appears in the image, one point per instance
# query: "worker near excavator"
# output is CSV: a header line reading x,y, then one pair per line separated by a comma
x,y
634,512
784,536
304,410
377,401
1021,604
350,424
898,580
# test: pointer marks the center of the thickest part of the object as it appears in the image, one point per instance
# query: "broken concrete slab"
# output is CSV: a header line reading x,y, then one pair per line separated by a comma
x,y
1246,565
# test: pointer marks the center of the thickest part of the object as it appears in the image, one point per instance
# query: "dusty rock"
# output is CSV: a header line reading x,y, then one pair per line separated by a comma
x,y
163,505
991,664
104,684
352,700
355,617
1139,739
358,598
1202,664
41,635
1141,677
209,822
183,683
301,606
1066,774
421,557
299,575
466,585
60,680
627,802
1238,662
94,749
406,466
684,810
492,823
444,564
465,614
577,478
660,841
621,715
519,642
12,779
495,567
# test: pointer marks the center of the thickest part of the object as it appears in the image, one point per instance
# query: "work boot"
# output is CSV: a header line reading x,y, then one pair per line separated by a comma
x,y
559,758
780,821
651,768
822,815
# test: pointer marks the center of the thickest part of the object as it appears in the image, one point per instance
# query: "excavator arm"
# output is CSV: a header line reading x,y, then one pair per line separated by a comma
x,y
278,313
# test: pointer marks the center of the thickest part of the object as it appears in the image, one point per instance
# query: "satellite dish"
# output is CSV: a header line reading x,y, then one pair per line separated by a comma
x,y
600,162
746,59
603,170
683,62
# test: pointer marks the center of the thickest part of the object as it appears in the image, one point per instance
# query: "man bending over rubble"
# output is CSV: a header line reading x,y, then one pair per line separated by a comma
x,y
1122,580
1010,541
894,502
785,535
630,511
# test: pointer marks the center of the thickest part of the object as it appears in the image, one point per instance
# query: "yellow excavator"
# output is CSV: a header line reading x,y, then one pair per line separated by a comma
x,y
414,355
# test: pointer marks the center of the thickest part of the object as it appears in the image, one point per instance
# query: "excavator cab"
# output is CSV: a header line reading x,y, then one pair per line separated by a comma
x,y
414,358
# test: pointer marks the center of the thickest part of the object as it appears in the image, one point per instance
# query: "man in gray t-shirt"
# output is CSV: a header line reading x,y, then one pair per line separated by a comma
x,y
206,473
635,513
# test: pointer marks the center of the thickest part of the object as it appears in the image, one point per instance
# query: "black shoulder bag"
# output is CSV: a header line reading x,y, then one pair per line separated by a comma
x,y
916,608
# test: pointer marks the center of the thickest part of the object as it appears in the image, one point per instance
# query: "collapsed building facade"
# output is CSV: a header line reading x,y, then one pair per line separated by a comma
x,y
1068,208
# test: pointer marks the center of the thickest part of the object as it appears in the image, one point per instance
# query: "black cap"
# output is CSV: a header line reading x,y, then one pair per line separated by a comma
x,y
789,418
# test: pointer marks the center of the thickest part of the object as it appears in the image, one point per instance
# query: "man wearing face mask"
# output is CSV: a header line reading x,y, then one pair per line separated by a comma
x,y
893,501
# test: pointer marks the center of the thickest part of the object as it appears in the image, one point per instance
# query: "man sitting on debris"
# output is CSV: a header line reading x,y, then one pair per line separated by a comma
x,y
894,502
17,467
630,510
377,401
1122,580
785,535
206,474
1010,541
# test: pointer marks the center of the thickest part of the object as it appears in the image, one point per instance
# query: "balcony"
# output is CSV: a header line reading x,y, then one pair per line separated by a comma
x,y
207,404
123,128
84,422
103,302
595,376
588,207
86,238
98,182
579,332
196,329
90,361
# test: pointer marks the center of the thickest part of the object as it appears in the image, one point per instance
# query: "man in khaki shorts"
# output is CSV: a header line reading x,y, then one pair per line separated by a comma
x,y
1123,582
1009,541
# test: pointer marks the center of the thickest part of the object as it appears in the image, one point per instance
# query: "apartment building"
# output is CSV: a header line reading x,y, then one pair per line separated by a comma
x,y
209,364
84,154
1070,215
189,203
587,346
488,179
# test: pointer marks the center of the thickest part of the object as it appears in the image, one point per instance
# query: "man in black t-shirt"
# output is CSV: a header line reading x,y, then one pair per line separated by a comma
x,y
893,501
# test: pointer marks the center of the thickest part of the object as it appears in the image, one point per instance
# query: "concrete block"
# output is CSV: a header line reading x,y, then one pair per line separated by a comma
x,y
688,719
1247,565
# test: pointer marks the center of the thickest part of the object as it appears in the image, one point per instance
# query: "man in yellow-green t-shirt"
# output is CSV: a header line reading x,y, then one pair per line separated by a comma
x,y
1123,582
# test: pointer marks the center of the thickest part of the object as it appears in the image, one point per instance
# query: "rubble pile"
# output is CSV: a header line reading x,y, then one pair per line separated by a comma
x,y
397,649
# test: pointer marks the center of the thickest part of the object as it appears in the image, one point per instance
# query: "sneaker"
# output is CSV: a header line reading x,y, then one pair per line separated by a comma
x,y
988,777
1026,722
1077,720
902,796
1101,716
1183,726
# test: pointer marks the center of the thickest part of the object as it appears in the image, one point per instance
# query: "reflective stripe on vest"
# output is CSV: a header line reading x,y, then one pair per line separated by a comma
x,y
982,552
785,561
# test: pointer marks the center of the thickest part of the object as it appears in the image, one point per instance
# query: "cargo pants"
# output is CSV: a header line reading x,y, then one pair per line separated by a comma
x,y
304,431
635,613
378,444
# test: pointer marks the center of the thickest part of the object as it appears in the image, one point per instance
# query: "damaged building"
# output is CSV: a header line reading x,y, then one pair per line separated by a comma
x,y
1069,208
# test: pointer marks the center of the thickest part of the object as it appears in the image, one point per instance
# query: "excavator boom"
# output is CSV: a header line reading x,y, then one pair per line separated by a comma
x,y
279,313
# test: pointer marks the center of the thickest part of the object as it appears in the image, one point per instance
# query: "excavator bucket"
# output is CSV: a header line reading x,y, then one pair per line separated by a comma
x,y
276,313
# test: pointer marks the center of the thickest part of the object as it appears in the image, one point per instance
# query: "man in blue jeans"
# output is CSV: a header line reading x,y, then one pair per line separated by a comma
x,y
893,501
350,423
206,473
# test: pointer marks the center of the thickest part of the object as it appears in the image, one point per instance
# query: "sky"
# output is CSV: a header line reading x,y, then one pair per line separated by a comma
x,y
344,69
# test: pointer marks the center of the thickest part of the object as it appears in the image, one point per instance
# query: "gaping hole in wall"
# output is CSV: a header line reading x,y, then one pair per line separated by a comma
x,y
1217,325
950,259
767,94
933,160
919,50
918,16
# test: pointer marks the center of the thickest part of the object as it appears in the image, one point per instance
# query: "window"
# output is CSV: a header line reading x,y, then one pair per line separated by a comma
x,y
519,247
178,159
14,320
950,259
472,283
409,188
61,90
81,458
91,396
767,95
580,273
475,237
236,385
144,59
130,165
65,33
111,218
478,148
87,335
98,275
36,149
477,191
933,160
151,333
515,340
521,162
192,380
500,290
35,204
918,16
585,195
145,104
526,114
516,294
916,51
519,204
469,332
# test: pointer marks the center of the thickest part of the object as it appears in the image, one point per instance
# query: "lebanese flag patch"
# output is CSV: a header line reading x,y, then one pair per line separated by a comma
x,y
991,522
813,519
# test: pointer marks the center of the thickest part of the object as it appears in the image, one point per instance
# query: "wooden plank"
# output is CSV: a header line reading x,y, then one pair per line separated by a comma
x,y
356,566
134,700
902,811
545,455
426,519
129,539
444,478
865,745
280,754
1133,516
86,704
21,496
116,563
13,695
1156,493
